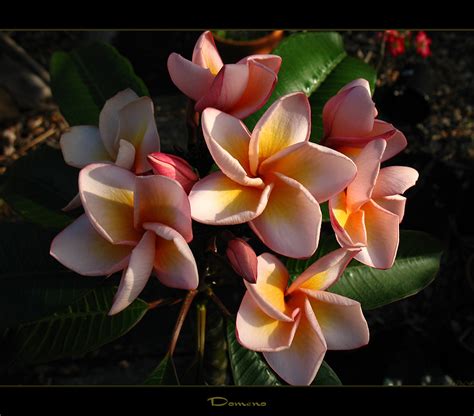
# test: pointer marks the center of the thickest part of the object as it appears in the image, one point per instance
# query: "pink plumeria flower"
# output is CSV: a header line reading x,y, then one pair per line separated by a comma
x,y
274,178
294,326
132,223
238,89
126,135
368,213
173,167
349,120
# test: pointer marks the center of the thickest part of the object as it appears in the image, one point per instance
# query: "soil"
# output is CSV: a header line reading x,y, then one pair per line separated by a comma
x,y
425,339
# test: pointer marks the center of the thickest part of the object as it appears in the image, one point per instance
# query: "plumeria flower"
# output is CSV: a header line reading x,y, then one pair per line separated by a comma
x,y
368,213
132,223
274,178
294,326
238,89
349,120
126,135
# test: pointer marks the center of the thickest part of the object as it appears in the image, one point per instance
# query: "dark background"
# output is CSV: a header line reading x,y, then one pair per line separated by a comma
x,y
425,339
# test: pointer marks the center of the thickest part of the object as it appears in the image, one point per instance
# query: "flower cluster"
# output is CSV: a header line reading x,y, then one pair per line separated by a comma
x,y
398,41
139,203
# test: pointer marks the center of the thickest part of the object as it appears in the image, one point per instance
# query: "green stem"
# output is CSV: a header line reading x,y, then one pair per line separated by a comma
x,y
201,338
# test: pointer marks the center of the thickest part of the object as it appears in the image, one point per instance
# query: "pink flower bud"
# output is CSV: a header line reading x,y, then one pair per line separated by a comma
x,y
242,259
173,167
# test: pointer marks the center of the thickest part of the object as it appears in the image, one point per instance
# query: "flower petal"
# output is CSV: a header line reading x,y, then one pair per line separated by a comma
x,y
382,237
218,200
286,122
324,272
126,155
82,145
272,62
355,114
394,180
260,85
341,320
299,364
228,141
107,197
291,221
109,118
269,290
137,125
174,262
368,166
394,203
396,140
205,53
226,89
136,276
162,200
192,80
322,171
73,204
257,331
80,248
349,227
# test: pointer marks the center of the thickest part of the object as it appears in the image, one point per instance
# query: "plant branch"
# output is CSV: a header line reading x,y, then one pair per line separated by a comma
x,y
162,302
218,303
188,300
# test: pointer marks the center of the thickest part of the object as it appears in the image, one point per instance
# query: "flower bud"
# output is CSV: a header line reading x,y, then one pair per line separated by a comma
x,y
242,259
173,167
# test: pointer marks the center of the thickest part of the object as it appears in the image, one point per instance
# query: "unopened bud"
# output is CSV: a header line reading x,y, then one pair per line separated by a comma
x,y
173,167
242,259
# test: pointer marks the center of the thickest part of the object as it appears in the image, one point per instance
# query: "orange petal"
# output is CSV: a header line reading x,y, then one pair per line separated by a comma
x,y
286,122
174,262
257,331
107,197
291,221
136,276
218,200
324,272
162,200
341,320
382,237
82,249
299,364
269,290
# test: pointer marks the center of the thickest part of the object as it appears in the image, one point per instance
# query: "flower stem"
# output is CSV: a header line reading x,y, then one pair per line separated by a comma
x,y
162,302
188,300
218,302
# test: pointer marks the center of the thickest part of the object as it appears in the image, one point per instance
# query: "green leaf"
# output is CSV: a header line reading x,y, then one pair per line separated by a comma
x,y
326,376
38,185
248,367
80,328
83,79
415,267
316,64
164,374
32,283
